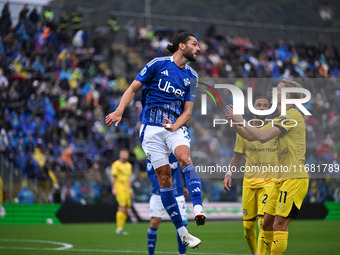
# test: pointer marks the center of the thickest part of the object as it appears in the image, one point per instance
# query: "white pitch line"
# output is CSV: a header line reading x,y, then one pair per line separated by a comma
x,y
69,247
65,246
145,252
113,251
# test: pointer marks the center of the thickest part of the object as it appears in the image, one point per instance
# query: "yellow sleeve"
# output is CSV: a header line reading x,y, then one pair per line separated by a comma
x,y
52,177
288,121
115,168
239,147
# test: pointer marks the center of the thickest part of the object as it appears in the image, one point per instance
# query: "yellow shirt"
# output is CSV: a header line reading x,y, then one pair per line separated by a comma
x,y
291,145
258,156
122,172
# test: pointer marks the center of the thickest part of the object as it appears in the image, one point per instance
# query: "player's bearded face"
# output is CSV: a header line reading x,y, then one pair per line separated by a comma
x,y
189,55
191,50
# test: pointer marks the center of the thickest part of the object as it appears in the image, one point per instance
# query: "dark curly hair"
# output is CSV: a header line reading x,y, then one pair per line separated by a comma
x,y
181,37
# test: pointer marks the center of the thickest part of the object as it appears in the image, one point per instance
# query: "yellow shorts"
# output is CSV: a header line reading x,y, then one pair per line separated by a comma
x,y
123,198
286,197
253,201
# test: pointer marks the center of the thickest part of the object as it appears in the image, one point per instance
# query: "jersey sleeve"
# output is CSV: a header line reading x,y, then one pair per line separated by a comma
x,y
191,94
114,169
288,121
239,147
148,72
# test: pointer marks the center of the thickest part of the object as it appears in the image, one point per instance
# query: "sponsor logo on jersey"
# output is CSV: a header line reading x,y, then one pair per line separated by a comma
x,y
168,88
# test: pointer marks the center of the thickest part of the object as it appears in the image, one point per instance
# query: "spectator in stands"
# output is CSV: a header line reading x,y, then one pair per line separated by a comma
x,y
34,16
48,17
131,32
25,196
77,19
3,80
23,14
3,141
5,20
63,20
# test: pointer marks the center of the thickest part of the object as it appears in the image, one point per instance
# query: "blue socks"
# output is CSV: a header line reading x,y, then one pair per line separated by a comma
x,y
170,204
193,183
152,238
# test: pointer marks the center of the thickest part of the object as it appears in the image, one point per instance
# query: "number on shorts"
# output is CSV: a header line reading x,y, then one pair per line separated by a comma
x,y
265,199
285,197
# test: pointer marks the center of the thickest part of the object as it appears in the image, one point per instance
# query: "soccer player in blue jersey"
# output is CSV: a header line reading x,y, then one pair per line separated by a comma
x,y
167,105
157,210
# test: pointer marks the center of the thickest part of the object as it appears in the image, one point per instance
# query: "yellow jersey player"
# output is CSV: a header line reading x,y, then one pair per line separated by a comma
x,y
284,202
255,187
121,171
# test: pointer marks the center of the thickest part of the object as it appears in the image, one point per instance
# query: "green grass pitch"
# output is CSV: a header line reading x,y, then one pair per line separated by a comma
x,y
305,238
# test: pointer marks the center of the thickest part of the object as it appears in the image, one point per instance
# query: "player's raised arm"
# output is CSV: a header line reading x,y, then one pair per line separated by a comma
x,y
244,133
116,116
260,135
263,135
240,130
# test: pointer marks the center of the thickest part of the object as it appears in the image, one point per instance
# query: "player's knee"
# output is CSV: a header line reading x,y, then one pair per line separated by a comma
x,y
281,225
164,180
123,209
277,226
154,222
267,225
183,159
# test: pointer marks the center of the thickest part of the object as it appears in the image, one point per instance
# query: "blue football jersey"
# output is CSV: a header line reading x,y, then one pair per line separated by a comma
x,y
175,173
166,87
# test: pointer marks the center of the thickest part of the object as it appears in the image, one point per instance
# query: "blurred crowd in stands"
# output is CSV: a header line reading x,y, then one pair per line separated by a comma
x,y
56,88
